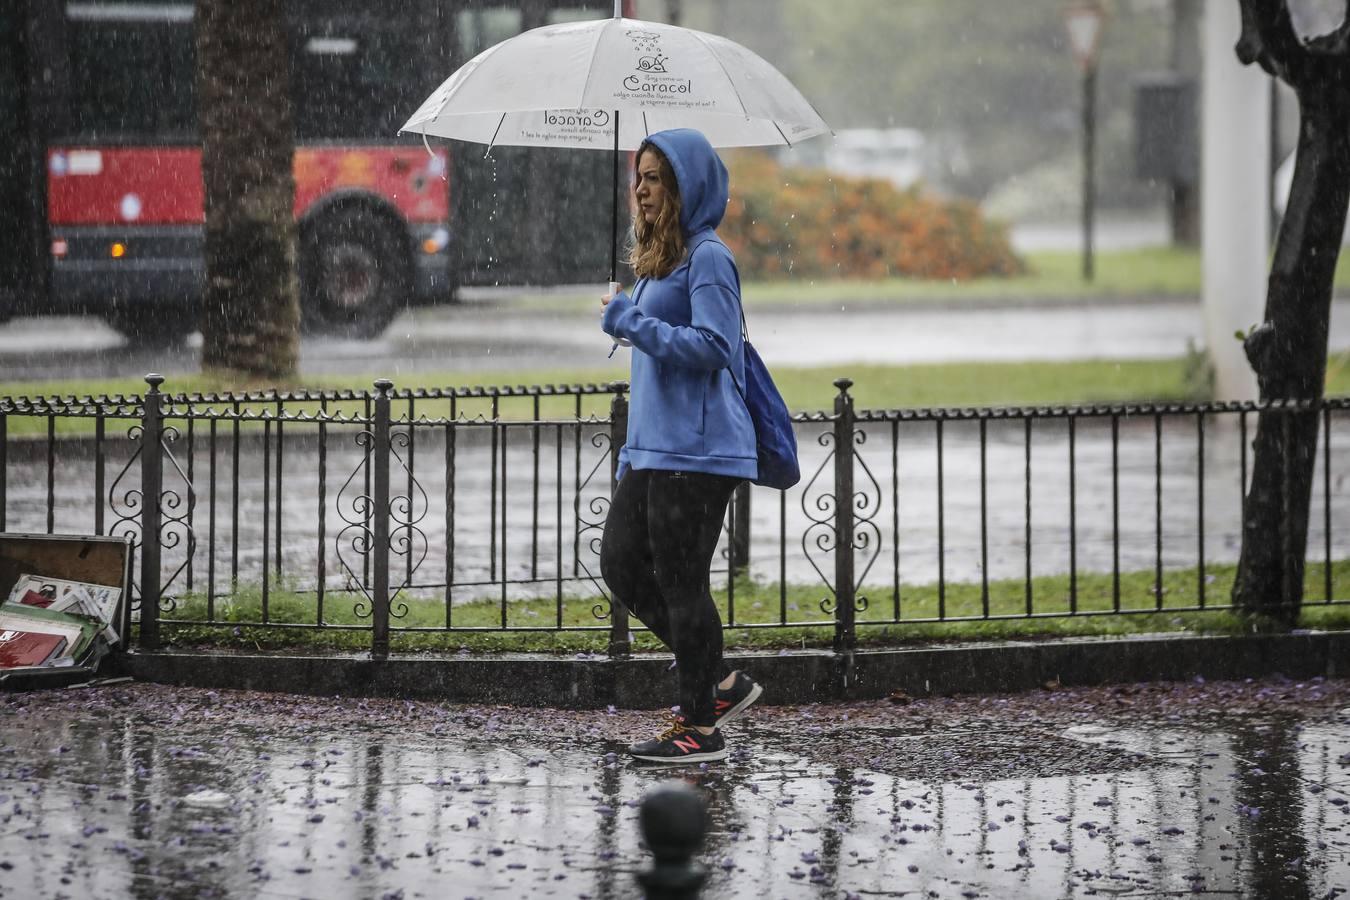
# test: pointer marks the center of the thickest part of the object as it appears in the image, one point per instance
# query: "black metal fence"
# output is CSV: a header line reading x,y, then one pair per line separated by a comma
x,y
481,509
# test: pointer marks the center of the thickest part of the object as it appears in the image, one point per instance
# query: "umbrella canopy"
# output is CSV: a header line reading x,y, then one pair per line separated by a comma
x,y
607,84
566,85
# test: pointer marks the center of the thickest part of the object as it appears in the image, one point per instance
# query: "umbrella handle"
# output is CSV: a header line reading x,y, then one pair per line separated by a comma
x,y
618,342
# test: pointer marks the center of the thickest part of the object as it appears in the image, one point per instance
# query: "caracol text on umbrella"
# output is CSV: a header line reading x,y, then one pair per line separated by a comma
x,y
608,83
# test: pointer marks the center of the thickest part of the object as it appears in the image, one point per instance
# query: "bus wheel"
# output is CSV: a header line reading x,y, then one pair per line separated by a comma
x,y
150,325
354,275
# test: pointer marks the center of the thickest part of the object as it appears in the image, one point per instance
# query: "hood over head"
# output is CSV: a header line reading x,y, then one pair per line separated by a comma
x,y
700,174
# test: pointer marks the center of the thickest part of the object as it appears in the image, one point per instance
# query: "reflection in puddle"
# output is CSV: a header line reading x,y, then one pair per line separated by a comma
x,y
96,803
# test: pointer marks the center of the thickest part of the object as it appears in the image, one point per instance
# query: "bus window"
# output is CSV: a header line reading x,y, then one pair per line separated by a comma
x,y
352,79
22,256
480,28
132,71
558,16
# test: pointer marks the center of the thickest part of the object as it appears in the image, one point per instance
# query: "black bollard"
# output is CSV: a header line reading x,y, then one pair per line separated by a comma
x,y
673,821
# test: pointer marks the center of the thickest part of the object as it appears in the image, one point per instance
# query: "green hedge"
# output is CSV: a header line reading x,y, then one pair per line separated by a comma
x,y
806,223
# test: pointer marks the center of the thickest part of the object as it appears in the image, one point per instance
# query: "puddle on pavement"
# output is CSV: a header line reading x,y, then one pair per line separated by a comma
x,y
100,805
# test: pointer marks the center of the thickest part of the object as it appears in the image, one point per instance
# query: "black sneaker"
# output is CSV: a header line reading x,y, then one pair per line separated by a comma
x,y
730,703
681,743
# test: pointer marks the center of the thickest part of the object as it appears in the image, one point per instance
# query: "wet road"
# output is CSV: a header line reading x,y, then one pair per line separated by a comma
x,y
1138,791
498,331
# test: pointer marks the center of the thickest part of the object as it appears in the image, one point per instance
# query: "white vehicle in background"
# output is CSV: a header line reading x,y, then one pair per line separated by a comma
x,y
897,155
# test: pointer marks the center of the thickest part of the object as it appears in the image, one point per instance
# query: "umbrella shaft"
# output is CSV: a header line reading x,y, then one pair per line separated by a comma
x,y
614,204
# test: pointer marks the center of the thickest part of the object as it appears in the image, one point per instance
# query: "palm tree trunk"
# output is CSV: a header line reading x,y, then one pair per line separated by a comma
x,y
250,312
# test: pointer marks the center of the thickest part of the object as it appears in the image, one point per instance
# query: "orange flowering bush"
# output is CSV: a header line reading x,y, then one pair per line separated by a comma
x,y
805,223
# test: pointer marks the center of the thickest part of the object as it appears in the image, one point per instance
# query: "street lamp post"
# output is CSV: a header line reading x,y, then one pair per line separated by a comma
x,y
1083,20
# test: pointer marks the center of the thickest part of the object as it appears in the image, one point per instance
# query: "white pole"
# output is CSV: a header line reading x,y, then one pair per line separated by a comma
x,y
1235,206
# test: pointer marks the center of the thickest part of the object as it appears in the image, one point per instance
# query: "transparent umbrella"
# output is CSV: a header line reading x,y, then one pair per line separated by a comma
x,y
607,84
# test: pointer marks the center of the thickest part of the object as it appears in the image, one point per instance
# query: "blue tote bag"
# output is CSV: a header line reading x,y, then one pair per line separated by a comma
x,y
774,437
776,441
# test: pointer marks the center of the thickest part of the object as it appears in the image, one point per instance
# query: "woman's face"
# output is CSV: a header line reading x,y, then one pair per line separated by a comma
x,y
651,193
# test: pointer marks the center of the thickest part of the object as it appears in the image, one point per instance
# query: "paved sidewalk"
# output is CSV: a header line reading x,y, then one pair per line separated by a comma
x,y
1220,789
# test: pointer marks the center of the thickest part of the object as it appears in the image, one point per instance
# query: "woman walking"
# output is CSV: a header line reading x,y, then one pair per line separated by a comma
x,y
690,438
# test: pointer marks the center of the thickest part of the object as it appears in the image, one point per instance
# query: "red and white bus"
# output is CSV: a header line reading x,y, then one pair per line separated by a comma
x,y
383,224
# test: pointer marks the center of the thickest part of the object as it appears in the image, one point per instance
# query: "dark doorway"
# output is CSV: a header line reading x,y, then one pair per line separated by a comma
x,y
23,276
527,215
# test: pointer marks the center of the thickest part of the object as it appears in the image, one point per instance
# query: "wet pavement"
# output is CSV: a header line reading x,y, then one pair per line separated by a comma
x,y
1220,789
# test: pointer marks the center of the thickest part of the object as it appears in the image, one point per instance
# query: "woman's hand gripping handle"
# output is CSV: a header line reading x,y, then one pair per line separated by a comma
x,y
604,301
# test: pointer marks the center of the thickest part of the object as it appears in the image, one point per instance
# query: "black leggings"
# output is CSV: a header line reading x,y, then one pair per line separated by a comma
x,y
660,535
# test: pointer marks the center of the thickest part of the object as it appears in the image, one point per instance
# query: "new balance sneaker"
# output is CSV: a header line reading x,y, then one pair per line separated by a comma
x,y
681,743
730,703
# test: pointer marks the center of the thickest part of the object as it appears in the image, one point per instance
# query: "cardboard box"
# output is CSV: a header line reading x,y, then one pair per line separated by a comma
x,y
85,558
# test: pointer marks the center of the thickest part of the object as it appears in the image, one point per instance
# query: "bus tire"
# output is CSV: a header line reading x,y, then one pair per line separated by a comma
x,y
150,325
353,274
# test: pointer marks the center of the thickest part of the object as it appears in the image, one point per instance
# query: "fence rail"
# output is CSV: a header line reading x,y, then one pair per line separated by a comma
x,y
418,510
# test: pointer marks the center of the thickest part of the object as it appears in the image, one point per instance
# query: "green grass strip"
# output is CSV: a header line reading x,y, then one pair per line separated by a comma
x,y
1091,595
1052,277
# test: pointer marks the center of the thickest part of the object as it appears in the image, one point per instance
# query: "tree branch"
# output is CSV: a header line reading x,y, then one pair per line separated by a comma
x,y
1335,44
1269,40
1259,346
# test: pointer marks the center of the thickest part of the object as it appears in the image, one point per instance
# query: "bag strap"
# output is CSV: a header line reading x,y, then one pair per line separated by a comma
x,y
740,302
740,305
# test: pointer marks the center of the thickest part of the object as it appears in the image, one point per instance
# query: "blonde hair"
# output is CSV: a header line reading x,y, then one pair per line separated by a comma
x,y
658,247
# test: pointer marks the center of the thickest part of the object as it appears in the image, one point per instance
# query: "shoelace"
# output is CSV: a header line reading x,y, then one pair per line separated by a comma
x,y
677,726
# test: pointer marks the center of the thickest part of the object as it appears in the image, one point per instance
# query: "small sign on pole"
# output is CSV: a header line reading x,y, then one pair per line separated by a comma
x,y
1083,20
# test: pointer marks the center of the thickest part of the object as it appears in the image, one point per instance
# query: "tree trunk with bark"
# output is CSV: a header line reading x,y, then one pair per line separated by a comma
x,y
250,312
1288,351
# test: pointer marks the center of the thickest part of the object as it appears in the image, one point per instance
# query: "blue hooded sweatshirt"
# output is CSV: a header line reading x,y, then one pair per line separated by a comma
x,y
686,412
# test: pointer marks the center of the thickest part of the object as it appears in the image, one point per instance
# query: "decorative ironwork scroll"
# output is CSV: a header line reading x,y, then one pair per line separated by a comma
x,y
591,530
866,534
356,531
176,507
357,536
175,527
820,504
405,537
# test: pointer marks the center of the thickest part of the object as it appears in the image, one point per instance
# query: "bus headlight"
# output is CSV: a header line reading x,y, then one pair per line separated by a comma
x,y
437,242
